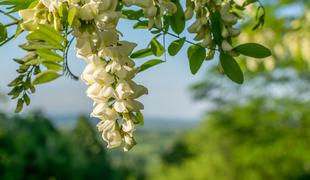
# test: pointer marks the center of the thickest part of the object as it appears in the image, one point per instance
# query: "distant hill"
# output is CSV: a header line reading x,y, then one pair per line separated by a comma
x,y
151,123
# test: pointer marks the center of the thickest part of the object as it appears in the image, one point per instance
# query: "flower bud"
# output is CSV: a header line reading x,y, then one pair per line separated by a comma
x,y
226,46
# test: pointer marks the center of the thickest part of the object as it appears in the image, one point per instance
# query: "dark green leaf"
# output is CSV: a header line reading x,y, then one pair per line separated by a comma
x,y
26,99
142,53
132,14
176,46
216,27
19,107
231,68
3,33
140,118
196,56
141,25
157,48
253,50
177,20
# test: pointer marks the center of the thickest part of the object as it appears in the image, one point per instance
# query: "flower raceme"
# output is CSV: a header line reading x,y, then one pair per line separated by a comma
x,y
109,72
202,26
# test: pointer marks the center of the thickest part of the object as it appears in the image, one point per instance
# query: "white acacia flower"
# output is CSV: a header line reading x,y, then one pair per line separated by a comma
x,y
107,19
52,5
110,133
88,11
129,142
87,75
226,46
107,5
138,90
31,19
85,44
102,77
128,126
103,111
93,90
106,38
127,105
123,89
120,106
126,48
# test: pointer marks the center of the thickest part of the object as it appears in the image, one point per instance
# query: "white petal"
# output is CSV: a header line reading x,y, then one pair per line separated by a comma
x,y
120,106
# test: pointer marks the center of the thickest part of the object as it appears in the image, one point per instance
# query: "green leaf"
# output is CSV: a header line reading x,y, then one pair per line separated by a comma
x,y
196,56
33,62
253,50
141,25
31,46
52,66
19,107
45,77
17,5
48,34
142,53
216,27
176,46
16,81
19,30
231,68
157,48
26,99
49,56
177,20
150,64
71,15
140,118
3,33
132,14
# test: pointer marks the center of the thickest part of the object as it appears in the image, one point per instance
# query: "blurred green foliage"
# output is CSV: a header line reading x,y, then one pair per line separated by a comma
x,y
31,148
285,32
257,141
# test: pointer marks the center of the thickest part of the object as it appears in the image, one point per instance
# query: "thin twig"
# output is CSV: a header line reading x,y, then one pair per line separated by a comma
x,y
7,40
9,15
67,70
11,24
189,42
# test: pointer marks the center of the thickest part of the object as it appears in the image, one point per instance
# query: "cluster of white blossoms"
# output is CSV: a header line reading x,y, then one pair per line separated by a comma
x,y
202,9
109,73
154,10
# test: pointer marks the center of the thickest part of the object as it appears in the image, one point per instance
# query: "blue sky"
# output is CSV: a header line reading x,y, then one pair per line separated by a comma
x,y
168,84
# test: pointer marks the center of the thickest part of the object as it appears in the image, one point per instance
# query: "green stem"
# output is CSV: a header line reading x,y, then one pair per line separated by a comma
x,y
9,15
11,24
189,42
7,40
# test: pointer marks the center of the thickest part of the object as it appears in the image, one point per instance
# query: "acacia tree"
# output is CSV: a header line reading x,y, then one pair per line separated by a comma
x,y
52,26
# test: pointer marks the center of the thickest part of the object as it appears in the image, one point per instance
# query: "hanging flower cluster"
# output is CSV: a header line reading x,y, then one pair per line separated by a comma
x,y
110,70
154,10
207,12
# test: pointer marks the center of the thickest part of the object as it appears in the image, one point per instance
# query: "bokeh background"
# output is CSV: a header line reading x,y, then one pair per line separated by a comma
x,y
196,127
